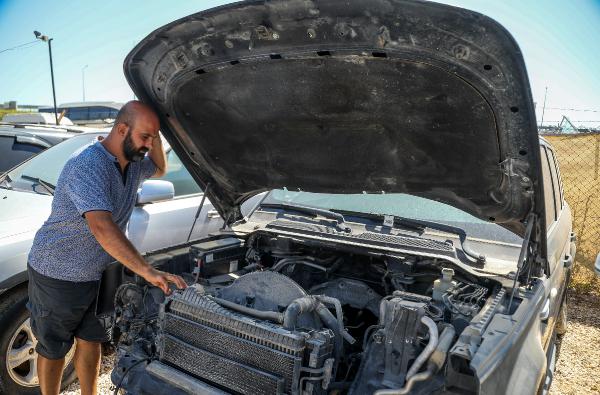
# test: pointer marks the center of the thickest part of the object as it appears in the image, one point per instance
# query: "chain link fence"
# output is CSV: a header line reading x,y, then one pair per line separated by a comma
x,y
579,160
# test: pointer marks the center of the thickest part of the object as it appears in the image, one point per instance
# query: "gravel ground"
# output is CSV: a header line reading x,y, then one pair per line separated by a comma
x,y
105,386
578,369
577,372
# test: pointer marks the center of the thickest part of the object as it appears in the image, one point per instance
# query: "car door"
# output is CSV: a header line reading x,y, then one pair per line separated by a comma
x,y
157,225
558,222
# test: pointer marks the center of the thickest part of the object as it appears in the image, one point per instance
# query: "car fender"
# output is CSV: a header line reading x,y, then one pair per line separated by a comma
x,y
14,252
511,356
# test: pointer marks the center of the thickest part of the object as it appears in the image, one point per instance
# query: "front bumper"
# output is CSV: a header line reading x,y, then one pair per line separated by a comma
x,y
157,378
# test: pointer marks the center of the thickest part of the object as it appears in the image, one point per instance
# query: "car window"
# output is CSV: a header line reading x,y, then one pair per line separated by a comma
x,y
177,174
48,164
12,152
548,189
558,180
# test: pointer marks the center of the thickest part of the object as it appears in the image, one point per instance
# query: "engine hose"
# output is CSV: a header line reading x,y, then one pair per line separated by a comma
x,y
339,315
438,357
426,353
264,315
435,363
296,308
409,384
283,263
330,322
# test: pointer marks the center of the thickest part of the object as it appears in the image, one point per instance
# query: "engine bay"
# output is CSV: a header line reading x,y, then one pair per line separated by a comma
x,y
273,314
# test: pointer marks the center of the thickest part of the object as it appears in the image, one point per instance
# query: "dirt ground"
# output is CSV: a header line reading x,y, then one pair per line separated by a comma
x,y
577,371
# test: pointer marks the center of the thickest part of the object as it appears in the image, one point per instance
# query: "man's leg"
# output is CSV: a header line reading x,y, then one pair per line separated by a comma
x,y
49,373
87,365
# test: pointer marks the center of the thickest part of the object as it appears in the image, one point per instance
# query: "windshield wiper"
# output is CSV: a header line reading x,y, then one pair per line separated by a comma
x,y
337,217
47,186
421,225
399,222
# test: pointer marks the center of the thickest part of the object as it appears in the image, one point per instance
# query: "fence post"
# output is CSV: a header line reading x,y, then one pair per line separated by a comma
x,y
597,157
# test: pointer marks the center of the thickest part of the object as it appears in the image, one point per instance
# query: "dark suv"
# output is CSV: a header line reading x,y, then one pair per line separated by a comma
x,y
414,237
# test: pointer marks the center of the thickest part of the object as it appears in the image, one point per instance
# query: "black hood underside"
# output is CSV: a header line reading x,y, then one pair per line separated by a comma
x,y
346,97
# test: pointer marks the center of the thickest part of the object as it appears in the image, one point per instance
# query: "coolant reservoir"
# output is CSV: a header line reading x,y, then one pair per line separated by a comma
x,y
441,285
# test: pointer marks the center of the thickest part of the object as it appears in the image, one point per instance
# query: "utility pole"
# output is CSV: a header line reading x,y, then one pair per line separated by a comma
x,y
83,80
544,108
45,38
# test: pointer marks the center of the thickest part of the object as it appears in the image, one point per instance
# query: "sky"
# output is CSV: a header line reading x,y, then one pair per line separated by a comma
x,y
559,40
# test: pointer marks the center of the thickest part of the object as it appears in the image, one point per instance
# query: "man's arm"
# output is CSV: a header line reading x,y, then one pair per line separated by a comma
x,y
112,239
158,156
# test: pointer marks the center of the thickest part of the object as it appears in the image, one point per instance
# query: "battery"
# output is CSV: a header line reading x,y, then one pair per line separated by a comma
x,y
220,256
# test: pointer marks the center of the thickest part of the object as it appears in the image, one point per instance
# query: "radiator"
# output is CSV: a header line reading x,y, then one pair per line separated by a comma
x,y
237,353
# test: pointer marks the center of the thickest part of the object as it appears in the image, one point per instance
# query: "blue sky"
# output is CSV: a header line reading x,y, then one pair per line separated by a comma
x,y
559,40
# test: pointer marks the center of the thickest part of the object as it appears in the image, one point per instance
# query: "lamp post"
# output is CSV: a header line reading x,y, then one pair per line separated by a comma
x,y
83,80
47,39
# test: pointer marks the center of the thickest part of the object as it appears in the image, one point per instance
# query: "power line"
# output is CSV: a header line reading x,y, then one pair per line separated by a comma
x,y
574,121
21,46
572,109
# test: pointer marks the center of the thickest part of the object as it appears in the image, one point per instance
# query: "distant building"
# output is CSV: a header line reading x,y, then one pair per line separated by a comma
x,y
13,105
88,112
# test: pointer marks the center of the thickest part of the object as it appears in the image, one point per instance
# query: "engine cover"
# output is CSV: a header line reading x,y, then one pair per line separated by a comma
x,y
239,353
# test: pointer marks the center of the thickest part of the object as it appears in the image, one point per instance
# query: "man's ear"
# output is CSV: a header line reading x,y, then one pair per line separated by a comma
x,y
122,129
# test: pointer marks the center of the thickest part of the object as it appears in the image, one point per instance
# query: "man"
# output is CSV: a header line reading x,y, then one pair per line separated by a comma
x,y
93,200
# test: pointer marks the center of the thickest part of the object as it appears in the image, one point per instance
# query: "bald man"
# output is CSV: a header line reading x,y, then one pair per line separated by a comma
x,y
93,200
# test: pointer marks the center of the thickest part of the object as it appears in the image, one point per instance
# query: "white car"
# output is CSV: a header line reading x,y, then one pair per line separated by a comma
x,y
165,213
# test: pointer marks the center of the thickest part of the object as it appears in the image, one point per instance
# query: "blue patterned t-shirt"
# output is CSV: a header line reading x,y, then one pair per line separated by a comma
x,y
64,247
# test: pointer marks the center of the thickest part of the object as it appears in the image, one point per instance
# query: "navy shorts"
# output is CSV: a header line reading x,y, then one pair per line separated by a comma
x,y
61,310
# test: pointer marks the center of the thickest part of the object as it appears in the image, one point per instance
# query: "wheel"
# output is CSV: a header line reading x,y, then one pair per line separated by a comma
x,y
561,321
18,359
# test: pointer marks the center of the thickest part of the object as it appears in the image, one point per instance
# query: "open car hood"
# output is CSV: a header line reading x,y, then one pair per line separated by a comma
x,y
345,97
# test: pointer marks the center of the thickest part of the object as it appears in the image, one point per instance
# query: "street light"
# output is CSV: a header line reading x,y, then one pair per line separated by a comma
x,y
45,38
83,80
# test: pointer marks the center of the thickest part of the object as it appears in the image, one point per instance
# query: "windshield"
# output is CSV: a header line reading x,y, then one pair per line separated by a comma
x,y
397,204
46,167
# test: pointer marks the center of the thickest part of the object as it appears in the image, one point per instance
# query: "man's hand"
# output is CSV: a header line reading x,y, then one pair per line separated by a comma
x,y
162,279
113,240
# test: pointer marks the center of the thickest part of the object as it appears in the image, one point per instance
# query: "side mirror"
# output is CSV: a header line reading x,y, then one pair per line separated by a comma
x,y
597,266
155,191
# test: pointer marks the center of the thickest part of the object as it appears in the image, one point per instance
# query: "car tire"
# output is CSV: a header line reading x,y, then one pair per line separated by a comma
x,y
16,377
561,321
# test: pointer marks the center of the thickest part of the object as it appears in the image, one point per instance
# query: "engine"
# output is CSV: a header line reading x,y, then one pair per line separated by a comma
x,y
272,316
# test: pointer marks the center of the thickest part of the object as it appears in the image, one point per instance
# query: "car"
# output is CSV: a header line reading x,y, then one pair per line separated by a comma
x,y
165,213
19,143
87,112
414,239
42,118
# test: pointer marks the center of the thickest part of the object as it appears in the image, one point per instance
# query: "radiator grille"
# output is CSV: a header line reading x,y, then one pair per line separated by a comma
x,y
224,372
236,352
241,350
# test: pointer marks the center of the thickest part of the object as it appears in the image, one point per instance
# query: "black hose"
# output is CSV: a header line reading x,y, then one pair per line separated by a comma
x,y
264,315
331,322
297,307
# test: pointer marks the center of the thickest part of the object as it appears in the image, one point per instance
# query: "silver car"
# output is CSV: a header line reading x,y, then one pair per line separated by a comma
x,y
164,216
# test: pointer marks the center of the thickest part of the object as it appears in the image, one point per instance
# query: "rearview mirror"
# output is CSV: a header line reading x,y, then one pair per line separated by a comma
x,y
155,191
597,266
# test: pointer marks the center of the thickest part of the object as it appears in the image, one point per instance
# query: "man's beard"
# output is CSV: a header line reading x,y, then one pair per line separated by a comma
x,y
133,154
